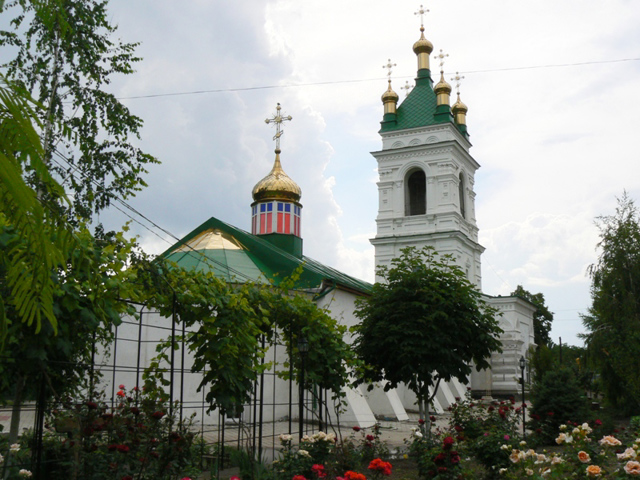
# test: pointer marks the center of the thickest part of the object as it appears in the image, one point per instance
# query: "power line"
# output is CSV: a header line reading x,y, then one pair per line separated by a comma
x,y
198,255
376,79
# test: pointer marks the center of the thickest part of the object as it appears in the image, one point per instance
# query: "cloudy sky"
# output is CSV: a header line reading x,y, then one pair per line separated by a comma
x,y
552,91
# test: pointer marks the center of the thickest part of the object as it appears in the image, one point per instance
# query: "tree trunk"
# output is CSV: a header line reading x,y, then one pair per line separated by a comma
x,y
15,410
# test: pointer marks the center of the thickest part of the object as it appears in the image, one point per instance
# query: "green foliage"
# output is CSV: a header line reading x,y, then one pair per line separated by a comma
x,y
234,326
87,302
581,451
542,361
44,241
425,323
136,439
613,321
634,425
542,317
482,429
64,56
321,455
438,458
556,400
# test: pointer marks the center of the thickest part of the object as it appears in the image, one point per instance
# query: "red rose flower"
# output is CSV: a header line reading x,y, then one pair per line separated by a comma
x,y
432,418
157,415
378,465
370,438
350,475
356,429
448,443
319,471
421,421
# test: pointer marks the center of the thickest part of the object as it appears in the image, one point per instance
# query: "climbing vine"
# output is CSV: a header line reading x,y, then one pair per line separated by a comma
x,y
231,328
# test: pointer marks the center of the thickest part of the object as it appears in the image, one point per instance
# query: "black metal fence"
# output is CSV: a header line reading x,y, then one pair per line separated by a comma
x,y
277,406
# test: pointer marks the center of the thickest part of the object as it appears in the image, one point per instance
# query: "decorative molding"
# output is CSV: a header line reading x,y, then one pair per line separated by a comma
x,y
397,144
414,142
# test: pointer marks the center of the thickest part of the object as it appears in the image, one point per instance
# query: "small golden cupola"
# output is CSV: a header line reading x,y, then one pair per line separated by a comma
x,y
442,88
389,98
276,209
423,47
459,109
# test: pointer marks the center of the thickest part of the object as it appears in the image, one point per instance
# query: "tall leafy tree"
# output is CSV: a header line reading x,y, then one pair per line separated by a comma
x,y
425,323
613,321
65,56
27,259
87,302
542,317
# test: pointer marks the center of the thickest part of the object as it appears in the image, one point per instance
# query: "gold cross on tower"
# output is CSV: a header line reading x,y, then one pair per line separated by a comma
x,y
458,78
421,12
442,56
278,119
407,88
389,66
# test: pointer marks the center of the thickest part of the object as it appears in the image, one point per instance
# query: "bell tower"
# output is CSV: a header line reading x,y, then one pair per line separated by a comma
x,y
426,173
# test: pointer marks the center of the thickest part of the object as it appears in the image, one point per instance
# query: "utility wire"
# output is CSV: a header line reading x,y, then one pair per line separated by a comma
x,y
362,80
198,255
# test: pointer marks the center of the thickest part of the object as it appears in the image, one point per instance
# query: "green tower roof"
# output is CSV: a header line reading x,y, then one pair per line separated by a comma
x,y
237,256
419,109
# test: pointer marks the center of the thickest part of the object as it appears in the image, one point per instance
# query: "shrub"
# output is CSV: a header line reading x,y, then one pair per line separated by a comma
x,y
557,399
137,438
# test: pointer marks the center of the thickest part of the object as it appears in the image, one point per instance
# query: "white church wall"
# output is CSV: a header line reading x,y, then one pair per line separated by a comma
x,y
516,321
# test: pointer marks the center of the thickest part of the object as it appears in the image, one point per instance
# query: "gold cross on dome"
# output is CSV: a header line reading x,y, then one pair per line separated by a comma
x,y
278,119
389,66
442,56
457,79
407,88
421,12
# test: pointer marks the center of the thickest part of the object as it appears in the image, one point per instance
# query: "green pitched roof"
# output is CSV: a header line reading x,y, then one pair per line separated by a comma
x,y
418,109
238,256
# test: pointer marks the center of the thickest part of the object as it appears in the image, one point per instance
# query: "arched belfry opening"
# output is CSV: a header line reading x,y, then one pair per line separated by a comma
x,y
461,195
415,195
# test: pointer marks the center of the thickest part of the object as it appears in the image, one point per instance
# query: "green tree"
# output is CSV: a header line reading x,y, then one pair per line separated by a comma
x,y
542,318
613,320
557,399
87,303
424,324
65,56
27,260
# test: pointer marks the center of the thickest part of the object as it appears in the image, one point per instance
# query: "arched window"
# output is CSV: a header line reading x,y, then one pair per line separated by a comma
x,y
416,193
461,194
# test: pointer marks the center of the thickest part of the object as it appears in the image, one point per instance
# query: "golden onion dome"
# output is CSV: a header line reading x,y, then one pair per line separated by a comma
x,y
390,95
422,45
277,185
459,107
442,86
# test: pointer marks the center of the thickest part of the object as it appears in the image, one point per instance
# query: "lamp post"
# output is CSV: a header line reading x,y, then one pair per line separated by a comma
x,y
303,348
522,365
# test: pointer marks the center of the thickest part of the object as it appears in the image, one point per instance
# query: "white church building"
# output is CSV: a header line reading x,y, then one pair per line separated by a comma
x,y
426,197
